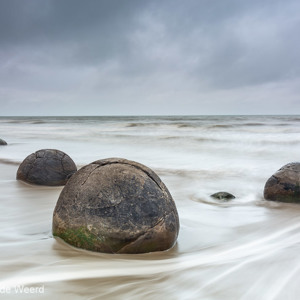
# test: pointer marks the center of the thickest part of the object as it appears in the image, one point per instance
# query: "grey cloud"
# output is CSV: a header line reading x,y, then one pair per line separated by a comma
x,y
236,43
150,51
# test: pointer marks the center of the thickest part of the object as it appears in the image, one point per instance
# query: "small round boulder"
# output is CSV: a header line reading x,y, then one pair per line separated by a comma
x,y
2,143
284,185
223,196
47,167
116,205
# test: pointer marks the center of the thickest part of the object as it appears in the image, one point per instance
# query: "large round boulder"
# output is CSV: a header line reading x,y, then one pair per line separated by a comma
x,y
2,143
47,167
284,185
116,206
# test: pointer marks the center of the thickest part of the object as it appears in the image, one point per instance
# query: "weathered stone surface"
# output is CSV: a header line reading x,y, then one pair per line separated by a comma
x,y
223,196
47,167
284,185
116,206
2,143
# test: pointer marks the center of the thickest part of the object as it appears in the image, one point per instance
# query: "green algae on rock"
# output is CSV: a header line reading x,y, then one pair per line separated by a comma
x,y
116,206
46,167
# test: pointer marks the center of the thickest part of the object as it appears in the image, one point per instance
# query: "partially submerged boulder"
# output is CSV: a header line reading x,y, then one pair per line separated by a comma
x,y
47,167
284,185
223,196
2,143
116,206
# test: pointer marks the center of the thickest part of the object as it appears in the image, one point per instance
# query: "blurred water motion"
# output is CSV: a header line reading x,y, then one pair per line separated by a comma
x,y
246,248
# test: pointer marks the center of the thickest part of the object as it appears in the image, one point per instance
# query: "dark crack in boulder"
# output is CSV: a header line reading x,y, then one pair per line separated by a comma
x,y
47,167
116,206
284,185
2,143
225,196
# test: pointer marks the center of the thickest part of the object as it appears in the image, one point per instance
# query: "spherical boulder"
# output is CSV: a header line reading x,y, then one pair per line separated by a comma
x,y
116,206
47,167
284,185
2,143
222,196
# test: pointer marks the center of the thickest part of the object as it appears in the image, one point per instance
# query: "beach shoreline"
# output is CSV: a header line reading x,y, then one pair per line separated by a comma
x,y
246,248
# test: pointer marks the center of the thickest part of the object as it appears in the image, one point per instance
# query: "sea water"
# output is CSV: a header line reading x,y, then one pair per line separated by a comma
x,y
246,248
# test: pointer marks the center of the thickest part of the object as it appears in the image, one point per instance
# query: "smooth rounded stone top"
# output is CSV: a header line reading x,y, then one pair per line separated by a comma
x,y
284,185
116,206
2,143
47,167
223,196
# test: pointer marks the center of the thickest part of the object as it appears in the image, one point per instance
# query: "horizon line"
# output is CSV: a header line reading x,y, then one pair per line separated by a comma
x,y
150,115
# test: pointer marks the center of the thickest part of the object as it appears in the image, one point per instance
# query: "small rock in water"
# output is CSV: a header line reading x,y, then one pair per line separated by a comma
x,y
47,167
2,142
223,196
116,206
284,185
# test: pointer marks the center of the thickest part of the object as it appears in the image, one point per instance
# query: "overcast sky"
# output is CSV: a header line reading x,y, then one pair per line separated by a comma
x,y
132,57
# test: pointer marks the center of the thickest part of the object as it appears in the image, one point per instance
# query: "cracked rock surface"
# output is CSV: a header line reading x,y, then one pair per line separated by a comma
x,y
116,206
47,167
284,185
2,143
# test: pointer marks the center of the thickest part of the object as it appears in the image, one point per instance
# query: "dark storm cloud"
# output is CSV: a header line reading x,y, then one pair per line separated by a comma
x,y
58,20
100,25
132,56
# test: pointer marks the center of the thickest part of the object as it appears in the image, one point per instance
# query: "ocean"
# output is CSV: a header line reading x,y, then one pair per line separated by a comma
x,y
246,248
